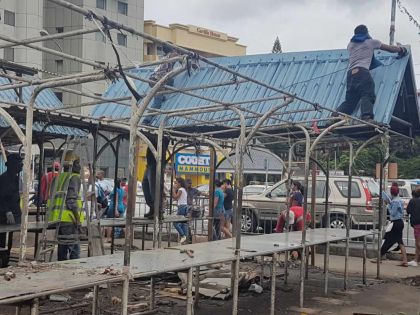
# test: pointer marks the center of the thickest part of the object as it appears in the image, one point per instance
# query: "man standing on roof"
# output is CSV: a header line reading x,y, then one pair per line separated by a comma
x,y
159,72
360,85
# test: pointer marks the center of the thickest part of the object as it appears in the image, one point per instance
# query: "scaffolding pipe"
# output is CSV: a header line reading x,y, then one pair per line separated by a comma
x,y
240,147
158,188
305,211
348,216
50,37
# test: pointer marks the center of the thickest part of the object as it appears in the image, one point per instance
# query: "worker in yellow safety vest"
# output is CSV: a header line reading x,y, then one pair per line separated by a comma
x,y
67,208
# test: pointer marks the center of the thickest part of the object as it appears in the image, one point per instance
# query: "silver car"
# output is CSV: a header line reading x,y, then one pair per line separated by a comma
x,y
262,210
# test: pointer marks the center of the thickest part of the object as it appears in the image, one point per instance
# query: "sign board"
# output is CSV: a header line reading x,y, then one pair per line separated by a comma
x,y
207,32
186,163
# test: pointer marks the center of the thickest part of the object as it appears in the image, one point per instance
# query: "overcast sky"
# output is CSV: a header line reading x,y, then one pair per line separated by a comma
x,y
300,24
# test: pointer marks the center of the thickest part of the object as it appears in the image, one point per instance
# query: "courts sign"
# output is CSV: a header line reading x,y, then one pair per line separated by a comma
x,y
186,163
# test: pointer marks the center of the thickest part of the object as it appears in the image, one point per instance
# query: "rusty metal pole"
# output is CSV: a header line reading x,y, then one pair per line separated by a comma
x,y
133,152
305,211
213,158
273,284
240,147
328,223
348,216
288,184
313,206
26,174
158,188
133,156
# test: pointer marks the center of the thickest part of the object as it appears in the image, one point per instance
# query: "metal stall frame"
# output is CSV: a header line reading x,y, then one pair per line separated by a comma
x,y
246,133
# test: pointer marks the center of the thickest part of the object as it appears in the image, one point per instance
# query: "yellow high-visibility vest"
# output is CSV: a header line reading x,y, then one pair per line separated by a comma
x,y
67,214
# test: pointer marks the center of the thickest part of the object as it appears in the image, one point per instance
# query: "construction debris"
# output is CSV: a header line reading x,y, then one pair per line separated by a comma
x,y
9,275
255,288
115,300
111,271
60,297
189,252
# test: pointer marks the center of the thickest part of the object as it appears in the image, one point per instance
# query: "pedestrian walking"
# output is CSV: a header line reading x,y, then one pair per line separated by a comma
x,y
413,209
218,210
395,235
228,205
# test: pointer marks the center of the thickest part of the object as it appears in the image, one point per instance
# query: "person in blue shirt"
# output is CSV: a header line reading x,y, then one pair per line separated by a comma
x,y
116,197
219,210
395,235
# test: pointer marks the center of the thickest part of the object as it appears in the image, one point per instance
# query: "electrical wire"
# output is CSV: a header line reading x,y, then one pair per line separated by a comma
x,y
129,84
405,11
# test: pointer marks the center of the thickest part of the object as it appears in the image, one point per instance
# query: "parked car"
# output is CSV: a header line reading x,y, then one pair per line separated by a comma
x,y
254,189
264,209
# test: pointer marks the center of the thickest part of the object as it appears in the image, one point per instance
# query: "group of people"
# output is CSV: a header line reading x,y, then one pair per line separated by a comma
x,y
61,192
112,201
184,194
395,228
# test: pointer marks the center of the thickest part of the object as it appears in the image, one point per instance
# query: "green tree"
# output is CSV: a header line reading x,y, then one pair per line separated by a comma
x,y
277,47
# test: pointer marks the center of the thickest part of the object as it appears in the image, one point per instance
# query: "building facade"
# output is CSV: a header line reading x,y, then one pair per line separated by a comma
x,y
20,19
93,46
206,42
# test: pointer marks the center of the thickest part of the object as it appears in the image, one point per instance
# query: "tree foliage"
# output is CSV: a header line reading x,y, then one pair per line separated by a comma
x,y
277,47
408,159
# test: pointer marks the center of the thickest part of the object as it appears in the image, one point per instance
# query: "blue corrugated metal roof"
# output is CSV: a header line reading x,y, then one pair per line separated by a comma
x,y
318,76
45,100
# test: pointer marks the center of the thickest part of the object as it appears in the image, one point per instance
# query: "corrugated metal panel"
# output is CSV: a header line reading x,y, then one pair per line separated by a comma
x,y
316,76
45,100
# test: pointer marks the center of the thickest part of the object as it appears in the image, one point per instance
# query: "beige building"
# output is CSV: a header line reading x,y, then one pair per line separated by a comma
x,y
204,41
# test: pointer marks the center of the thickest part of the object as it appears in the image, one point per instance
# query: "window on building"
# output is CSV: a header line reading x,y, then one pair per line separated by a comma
x,y
122,39
100,37
59,29
149,49
59,96
159,50
9,54
9,17
101,4
59,65
122,8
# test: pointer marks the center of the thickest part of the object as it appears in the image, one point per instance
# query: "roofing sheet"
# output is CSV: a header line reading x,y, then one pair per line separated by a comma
x,y
45,100
318,76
